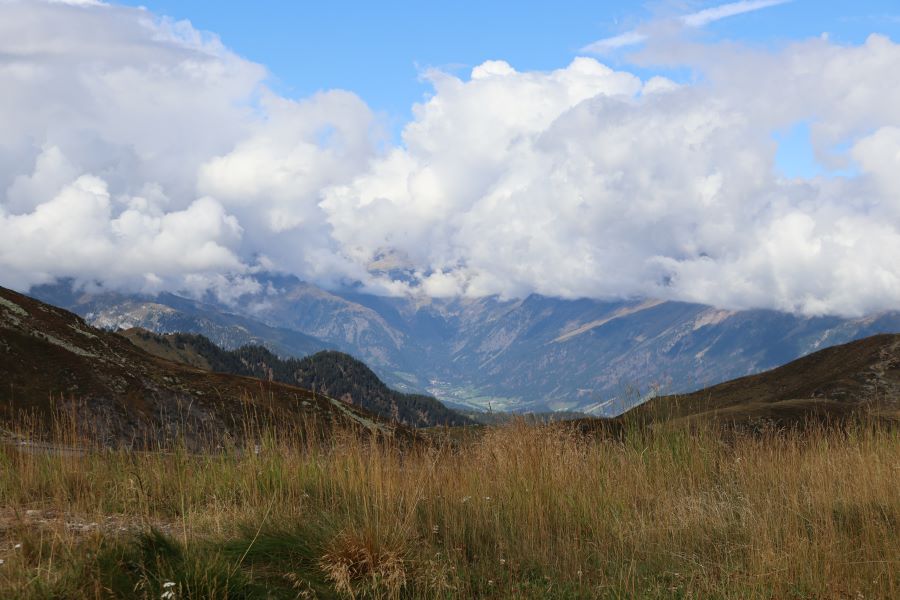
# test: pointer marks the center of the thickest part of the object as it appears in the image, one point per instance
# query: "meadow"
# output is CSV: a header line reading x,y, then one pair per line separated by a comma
x,y
521,510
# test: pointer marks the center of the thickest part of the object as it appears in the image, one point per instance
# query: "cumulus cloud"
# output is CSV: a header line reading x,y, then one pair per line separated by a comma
x,y
617,187
143,154
78,232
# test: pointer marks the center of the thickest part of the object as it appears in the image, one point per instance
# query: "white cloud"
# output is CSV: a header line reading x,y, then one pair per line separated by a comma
x,y
629,38
623,189
143,154
159,115
76,2
697,19
723,11
77,233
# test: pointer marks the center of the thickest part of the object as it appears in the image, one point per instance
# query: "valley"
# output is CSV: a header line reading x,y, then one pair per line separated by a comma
x,y
535,354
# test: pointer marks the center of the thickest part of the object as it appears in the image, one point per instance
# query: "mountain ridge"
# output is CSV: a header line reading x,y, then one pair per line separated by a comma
x,y
332,373
860,378
51,360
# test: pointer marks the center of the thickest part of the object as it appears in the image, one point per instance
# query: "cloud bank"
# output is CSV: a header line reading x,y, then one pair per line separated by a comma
x,y
142,154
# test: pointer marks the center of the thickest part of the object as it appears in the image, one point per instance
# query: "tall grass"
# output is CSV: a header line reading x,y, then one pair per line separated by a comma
x,y
518,511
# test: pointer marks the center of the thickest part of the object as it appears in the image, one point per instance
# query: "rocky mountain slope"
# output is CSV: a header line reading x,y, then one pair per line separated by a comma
x,y
532,354
334,374
51,360
167,313
860,377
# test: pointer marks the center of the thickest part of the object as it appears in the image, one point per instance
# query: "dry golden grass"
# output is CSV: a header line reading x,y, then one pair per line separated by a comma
x,y
518,511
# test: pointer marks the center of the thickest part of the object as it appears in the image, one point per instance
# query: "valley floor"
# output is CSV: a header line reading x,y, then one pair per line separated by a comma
x,y
518,511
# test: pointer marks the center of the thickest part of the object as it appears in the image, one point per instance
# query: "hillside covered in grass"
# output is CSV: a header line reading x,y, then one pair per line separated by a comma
x,y
113,393
860,379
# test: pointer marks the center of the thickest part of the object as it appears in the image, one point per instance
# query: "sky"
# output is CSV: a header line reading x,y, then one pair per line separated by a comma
x,y
743,154
379,50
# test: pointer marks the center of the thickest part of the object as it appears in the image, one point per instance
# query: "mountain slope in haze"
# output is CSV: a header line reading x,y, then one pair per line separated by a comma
x,y
604,357
123,395
860,377
332,373
168,313
536,353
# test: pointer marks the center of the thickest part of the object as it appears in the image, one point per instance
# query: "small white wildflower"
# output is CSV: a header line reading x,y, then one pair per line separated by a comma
x,y
17,546
466,499
169,594
2,561
502,561
487,498
435,529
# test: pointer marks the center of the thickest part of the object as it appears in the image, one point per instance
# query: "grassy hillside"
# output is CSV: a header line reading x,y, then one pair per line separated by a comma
x,y
332,373
861,378
52,363
521,511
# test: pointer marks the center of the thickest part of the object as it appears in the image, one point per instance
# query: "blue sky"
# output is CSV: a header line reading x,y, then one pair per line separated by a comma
x,y
378,50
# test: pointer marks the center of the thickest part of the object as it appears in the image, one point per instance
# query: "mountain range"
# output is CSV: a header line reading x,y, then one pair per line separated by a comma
x,y
531,354
137,387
